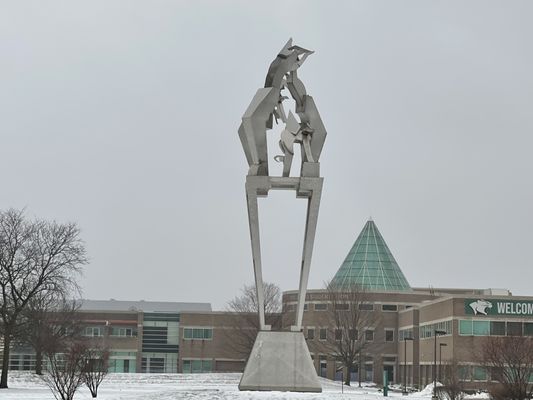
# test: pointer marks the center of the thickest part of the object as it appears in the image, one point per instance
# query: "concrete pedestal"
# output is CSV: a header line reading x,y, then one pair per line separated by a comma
x,y
280,361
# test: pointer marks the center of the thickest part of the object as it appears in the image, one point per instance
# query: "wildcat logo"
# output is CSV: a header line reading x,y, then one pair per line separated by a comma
x,y
480,307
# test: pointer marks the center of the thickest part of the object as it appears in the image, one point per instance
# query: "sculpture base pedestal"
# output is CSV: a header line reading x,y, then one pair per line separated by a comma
x,y
280,361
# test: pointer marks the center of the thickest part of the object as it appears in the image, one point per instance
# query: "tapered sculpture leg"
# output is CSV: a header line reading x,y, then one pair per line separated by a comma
x,y
253,220
313,204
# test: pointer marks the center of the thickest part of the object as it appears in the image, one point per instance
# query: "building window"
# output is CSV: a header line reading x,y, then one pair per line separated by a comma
x,y
93,331
306,307
369,335
405,333
389,335
464,373
157,365
428,331
323,366
369,372
481,328
197,366
198,333
290,307
127,332
514,328
528,328
338,334
353,334
465,327
342,307
366,307
323,334
389,307
479,374
321,306
310,333
497,328
144,365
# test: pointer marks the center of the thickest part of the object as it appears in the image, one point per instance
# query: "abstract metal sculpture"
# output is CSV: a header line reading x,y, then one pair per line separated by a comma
x,y
309,132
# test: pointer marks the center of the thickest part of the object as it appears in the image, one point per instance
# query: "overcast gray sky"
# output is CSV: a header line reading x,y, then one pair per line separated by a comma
x,y
123,115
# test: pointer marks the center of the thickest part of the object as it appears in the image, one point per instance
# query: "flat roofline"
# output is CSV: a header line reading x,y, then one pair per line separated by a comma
x,y
457,289
366,292
225,313
142,305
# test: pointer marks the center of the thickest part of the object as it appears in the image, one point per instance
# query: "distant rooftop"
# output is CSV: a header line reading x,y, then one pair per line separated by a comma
x,y
146,306
463,291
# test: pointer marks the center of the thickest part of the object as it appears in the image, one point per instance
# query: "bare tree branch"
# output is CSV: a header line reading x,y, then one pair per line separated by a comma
x,y
509,361
352,320
95,368
48,320
36,257
65,371
245,320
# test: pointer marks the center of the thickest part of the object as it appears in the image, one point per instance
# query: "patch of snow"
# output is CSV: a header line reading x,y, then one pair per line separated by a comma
x,y
428,390
480,395
221,386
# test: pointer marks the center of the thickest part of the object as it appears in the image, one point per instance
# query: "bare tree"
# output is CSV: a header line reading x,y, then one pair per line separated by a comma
x,y
35,257
509,360
49,319
453,382
245,320
350,315
65,370
96,364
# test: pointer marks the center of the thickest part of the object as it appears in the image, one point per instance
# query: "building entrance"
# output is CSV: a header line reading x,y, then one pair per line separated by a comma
x,y
389,370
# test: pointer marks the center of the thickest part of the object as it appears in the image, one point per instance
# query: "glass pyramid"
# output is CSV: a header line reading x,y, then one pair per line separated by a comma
x,y
370,265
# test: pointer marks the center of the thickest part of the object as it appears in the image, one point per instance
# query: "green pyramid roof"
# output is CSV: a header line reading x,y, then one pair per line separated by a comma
x,y
370,264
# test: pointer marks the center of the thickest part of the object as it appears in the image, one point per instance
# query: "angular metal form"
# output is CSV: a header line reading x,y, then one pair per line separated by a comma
x,y
267,105
281,360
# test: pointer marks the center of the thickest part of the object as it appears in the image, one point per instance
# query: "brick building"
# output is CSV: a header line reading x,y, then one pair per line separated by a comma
x,y
157,337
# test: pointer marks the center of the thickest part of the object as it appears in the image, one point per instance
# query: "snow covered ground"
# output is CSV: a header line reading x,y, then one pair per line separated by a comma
x,y
25,385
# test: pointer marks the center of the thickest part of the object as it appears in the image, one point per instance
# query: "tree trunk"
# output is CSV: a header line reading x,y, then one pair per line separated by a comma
x,y
38,362
347,377
360,374
5,361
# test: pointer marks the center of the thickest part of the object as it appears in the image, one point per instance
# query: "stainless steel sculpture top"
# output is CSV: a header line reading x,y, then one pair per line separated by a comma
x,y
267,105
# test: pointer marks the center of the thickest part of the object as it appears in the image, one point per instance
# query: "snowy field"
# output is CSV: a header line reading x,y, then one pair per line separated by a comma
x,y
25,385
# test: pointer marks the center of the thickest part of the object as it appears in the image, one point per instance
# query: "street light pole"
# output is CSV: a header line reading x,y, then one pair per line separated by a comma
x,y
441,345
405,364
436,333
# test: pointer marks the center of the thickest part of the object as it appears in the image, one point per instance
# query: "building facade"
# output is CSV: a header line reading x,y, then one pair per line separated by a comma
x,y
399,335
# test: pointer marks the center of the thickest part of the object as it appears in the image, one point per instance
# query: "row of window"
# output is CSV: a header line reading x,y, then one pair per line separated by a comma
x,y
197,366
160,336
473,328
405,333
428,331
344,307
123,332
478,373
198,333
95,331
495,328
353,334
